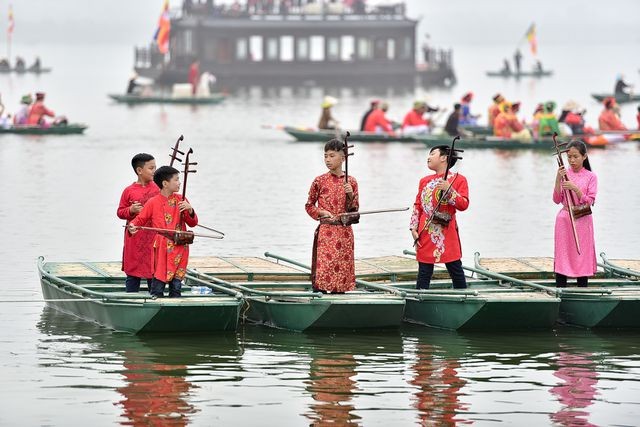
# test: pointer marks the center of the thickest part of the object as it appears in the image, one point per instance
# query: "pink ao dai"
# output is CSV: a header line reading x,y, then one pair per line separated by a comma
x,y
567,261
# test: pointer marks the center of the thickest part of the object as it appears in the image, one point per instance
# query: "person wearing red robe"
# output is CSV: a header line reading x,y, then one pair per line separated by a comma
x,y
333,266
38,111
608,119
168,211
494,109
638,118
377,122
414,121
137,253
439,242
194,76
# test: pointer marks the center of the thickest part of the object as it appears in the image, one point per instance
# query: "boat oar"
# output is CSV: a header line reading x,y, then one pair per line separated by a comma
x,y
376,286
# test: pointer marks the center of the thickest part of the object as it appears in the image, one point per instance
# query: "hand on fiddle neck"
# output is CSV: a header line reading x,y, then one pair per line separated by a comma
x,y
185,206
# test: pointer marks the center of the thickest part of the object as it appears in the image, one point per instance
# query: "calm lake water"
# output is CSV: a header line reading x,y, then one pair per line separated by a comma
x,y
252,183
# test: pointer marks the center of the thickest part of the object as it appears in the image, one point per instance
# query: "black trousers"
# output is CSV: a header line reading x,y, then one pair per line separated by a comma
x,y
561,281
425,272
157,288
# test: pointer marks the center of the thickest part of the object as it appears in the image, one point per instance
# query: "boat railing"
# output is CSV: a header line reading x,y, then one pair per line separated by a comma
x,y
361,282
209,280
129,298
616,270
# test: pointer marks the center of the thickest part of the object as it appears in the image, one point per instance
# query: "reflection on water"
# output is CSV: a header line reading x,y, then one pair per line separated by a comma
x,y
413,376
439,387
577,389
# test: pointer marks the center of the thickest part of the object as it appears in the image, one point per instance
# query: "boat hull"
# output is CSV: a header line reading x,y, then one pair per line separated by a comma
x,y
483,314
190,100
534,74
52,130
331,312
143,316
610,311
619,99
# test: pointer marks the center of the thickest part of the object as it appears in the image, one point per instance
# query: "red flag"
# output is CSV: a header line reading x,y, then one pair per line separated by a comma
x,y
11,22
164,28
531,36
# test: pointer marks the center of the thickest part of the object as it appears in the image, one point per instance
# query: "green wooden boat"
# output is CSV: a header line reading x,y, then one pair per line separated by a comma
x,y
494,303
280,296
621,267
71,128
509,74
29,70
160,99
490,141
95,292
620,99
324,135
478,129
608,302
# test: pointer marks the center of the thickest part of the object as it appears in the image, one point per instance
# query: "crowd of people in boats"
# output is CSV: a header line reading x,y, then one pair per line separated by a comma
x,y
286,7
503,119
20,65
31,112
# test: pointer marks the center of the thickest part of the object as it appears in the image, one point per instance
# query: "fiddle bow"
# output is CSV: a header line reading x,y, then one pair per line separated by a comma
x,y
452,154
565,191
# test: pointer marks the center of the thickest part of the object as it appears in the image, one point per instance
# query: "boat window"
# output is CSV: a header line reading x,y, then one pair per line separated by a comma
x,y
242,49
380,49
286,48
188,42
255,48
333,48
272,53
347,50
365,48
317,48
302,49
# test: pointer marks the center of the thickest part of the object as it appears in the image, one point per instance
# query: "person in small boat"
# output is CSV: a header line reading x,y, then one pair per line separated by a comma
x,y
36,66
638,117
538,68
377,121
205,85
167,210
452,126
507,125
38,111
440,241
621,87
327,121
4,64
466,118
22,115
137,253
517,58
414,121
132,85
548,123
608,119
194,76
573,116
333,266
494,109
374,105
581,186
535,123
506,68
20,64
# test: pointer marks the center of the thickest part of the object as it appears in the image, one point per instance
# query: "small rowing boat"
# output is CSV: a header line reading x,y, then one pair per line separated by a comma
x,y
620,99
95,292
71,128
160,99
610,300
510,74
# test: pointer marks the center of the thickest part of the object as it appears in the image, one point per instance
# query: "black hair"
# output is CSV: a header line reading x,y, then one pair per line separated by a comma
x,y
334,145
582,149
444,151
456,106
139,160
164,173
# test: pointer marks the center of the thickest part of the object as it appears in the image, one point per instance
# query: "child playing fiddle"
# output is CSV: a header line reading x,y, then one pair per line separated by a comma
x,y
333,266
168,211
439,242
137,253
581,185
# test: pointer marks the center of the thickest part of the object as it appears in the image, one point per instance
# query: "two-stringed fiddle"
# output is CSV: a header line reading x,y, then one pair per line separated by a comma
x,y
452,155
175,151
354,218
185,237
566,192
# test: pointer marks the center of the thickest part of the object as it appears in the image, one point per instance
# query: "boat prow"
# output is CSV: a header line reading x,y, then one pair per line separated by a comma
x,y
160,99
